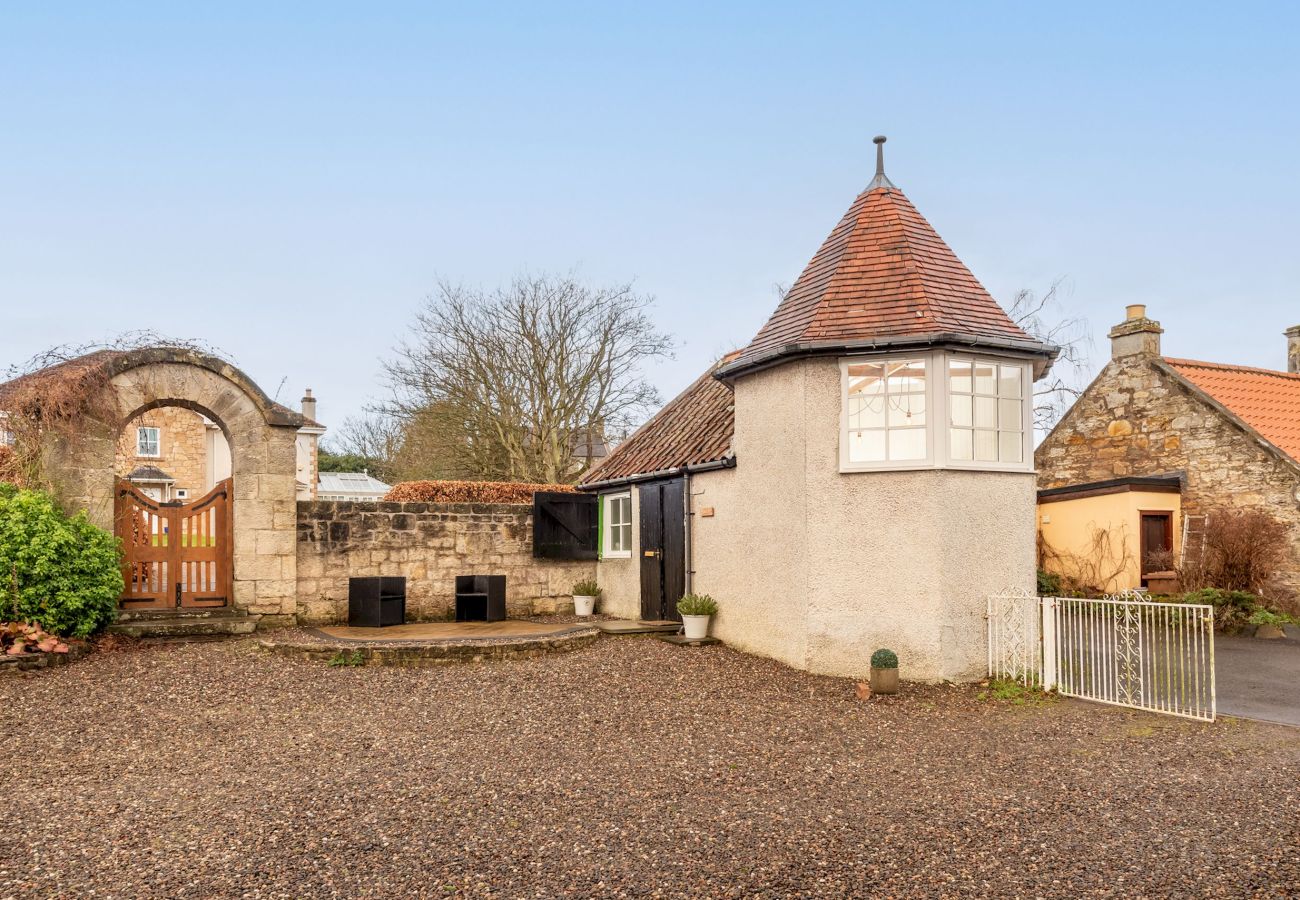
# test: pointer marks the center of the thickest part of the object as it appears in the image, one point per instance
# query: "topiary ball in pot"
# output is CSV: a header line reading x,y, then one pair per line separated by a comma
x,y
884,672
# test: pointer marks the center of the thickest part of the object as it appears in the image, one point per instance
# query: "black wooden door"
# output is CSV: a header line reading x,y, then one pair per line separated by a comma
x,y
663,548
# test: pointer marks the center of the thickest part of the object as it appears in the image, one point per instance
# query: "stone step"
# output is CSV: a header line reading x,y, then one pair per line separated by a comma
x,y
630,626
203,627
172,613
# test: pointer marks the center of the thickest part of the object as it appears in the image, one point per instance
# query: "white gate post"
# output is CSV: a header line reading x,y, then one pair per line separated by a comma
x,y
1047,609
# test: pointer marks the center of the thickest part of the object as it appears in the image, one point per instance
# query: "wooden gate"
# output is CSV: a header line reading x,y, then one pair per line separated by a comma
x,y
175,555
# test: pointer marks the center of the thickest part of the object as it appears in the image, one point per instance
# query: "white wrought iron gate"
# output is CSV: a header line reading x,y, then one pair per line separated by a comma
x,y
1123,649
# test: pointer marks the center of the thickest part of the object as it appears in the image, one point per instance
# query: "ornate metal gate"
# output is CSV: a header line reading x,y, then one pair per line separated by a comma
x,y
1123,649
174,555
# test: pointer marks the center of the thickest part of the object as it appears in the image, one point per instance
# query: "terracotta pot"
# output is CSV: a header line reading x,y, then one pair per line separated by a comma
x,y
884,681
583,606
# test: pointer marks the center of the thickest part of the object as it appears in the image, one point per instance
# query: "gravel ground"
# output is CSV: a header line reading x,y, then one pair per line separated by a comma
x,y
630,768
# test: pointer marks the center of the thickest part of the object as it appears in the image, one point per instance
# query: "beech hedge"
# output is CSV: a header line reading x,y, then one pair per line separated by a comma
x,y
468,491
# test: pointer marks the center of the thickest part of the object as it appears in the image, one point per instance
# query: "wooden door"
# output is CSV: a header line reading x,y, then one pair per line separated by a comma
x,y
1157,537
174,555
662,548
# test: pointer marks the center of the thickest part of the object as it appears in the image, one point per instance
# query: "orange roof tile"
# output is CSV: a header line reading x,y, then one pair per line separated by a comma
x,y
1267,401
883,273
695,427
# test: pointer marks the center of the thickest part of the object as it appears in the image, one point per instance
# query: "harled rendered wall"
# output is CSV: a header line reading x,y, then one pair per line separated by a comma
x,y
819,568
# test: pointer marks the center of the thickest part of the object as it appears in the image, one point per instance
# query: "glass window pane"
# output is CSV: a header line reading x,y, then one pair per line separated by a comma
x,y
626,529
960,410
907,443
1009,380
986,412
616,539
986,378
1009,414
866,446
866,378
907,376
867,412
986,446
1010,446
959,376
961,443
906,410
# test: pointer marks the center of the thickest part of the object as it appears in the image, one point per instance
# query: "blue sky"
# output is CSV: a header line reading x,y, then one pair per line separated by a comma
x,y
289,181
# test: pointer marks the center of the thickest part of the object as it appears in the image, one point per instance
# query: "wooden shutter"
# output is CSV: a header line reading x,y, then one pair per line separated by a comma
x,y
565,525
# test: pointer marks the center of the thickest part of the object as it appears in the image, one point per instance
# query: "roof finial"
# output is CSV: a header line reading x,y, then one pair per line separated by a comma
x,y
880,180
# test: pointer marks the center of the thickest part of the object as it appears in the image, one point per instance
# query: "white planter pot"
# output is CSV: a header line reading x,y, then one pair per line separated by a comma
x,y
584,606
695,627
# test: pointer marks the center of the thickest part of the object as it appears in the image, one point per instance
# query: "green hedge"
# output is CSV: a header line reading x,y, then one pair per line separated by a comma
x,y
66,570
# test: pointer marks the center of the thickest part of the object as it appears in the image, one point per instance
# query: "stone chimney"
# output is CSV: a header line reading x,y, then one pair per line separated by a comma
x,y
309,405
1293,349
1136,335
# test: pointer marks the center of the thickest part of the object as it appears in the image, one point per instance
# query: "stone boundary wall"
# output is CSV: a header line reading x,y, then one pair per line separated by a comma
x,y
430,544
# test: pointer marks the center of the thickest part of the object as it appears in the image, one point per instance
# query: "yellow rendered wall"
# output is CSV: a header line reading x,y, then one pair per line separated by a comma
x,y
1066,530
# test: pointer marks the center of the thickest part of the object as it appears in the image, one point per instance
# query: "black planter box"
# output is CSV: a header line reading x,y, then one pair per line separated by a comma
x,y
480,598
376,602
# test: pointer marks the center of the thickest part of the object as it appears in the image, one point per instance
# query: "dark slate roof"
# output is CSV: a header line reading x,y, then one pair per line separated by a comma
x,y
883,275
695,428
148,473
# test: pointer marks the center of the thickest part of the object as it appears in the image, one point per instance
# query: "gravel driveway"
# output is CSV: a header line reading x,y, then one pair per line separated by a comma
x,y
631,768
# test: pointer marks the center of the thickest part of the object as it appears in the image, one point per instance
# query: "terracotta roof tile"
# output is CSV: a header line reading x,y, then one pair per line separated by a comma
x,y
695,427
882,273
1267,401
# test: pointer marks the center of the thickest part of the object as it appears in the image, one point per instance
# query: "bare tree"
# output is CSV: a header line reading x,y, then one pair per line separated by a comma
x,y
505,384
1037,315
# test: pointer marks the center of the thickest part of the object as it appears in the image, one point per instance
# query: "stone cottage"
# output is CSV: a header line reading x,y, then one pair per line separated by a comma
x,y
859,476
1188,436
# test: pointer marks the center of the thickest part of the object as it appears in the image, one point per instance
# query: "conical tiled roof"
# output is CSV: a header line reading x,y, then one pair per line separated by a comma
x,y
883,276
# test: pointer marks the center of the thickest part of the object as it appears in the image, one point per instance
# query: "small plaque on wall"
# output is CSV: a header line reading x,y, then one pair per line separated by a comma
x,y
706,512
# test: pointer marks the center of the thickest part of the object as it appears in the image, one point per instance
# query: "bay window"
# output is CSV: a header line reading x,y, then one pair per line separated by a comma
x,y
938,409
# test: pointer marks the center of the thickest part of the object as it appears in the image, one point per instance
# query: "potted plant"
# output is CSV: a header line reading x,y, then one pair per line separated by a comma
x,y
584,597
695,610
1268,624
884,672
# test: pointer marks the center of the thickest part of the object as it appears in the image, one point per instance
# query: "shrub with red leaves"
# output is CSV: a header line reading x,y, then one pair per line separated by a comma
x,y
468,491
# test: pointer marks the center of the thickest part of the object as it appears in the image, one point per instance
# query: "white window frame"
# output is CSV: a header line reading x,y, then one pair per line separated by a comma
x,y
139,432
928,462
606,538
938,414
1026,463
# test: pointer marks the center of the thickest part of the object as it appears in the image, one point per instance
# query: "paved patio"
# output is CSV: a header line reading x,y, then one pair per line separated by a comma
x,y
629,768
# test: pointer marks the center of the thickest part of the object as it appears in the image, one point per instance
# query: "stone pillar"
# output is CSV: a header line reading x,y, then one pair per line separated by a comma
x,y
1136,335
1293,349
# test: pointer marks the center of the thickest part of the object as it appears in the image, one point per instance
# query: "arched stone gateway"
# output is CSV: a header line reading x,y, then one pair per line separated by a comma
x,y
262,436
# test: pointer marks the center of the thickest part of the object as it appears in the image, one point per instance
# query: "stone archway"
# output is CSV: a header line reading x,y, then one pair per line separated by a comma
x,y
262,436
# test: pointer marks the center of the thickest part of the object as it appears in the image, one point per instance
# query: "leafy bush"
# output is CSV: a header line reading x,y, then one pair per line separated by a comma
x,y
468,491
884,659
1263,616
1232,609
56,571
1049,584
697,605
586,588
